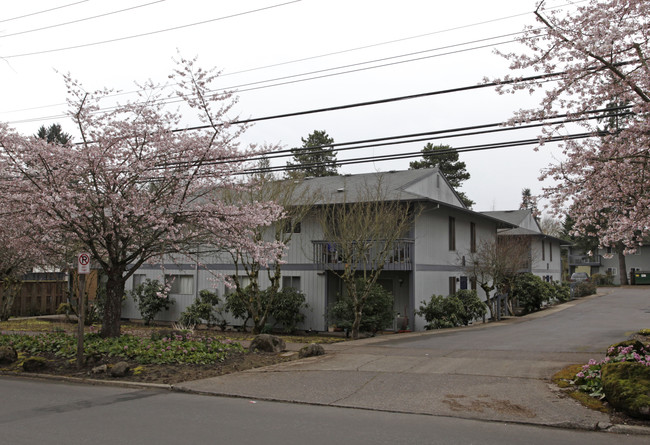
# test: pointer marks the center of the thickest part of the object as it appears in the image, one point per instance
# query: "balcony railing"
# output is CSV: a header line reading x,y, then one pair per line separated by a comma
x,y
584,260
327,255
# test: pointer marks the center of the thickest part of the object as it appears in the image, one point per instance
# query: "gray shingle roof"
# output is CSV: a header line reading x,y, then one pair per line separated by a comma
x,y
362,187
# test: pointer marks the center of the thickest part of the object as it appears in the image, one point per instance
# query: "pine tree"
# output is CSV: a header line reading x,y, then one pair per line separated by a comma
x,y
315,158
445,158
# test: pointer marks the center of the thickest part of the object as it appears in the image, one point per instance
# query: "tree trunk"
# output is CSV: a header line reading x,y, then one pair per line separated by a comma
x,y
622,268
356,324
113,304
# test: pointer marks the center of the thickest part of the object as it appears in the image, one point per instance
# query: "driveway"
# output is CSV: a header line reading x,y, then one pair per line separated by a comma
x,y
497,371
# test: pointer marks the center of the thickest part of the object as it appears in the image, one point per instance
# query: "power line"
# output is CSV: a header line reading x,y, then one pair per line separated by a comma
x,y
235,87
42,12
175,28
80,20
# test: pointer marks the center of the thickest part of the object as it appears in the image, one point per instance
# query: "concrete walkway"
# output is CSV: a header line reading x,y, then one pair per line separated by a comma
x,y
380,374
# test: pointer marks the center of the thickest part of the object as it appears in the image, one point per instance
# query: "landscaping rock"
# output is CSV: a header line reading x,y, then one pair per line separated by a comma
x,y
120,369
33,364
311,350
7,355
267,343
99,369
626,386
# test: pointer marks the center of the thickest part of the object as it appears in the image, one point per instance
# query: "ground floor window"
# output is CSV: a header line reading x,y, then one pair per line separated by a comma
x,y
180,284
293,282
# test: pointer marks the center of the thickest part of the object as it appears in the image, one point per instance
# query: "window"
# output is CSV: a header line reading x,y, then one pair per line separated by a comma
x,y
138,279
472,282
452,233
472,237
543,252
291,282
244,281
611,271
291,227
452,285
180,284
550,251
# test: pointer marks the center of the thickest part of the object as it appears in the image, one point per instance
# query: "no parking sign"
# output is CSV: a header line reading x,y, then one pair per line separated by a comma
x,y
83,263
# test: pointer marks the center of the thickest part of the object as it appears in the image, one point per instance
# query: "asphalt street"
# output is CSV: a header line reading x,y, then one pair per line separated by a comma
x,y
45,412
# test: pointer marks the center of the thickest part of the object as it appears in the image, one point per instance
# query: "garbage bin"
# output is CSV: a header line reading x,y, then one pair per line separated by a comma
x,y
641,277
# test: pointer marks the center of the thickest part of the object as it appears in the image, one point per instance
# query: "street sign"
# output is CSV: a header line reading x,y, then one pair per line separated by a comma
x,y
83,263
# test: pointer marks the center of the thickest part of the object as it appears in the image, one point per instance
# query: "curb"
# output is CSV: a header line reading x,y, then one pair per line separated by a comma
x,y
94,382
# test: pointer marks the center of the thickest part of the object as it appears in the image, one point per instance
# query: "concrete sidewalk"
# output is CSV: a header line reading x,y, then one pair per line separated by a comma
x,y
375,374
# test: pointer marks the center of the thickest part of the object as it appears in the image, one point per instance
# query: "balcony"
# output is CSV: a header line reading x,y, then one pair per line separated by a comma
x,y
584,260
400,256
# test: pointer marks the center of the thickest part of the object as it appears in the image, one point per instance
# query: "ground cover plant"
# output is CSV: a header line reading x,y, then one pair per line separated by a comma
x,y
156,354
621,380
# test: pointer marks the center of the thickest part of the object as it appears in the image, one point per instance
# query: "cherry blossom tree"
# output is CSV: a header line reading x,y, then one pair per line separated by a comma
x,y
18,255
134,188
601,52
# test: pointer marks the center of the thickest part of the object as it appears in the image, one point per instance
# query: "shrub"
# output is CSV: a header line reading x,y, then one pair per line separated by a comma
x,y
377,311
151,298
583,289
441,312
531,292
204,309
602,280
473,307
286,308
562,291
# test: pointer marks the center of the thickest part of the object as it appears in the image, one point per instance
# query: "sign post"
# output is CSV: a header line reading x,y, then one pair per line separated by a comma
x,y
83,268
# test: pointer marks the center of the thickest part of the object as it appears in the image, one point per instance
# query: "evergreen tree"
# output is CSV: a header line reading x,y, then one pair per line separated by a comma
x,y
315,158
445,158
54,135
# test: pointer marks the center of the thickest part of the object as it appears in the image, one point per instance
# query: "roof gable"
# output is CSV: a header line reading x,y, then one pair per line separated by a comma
x,y
404,185
522,218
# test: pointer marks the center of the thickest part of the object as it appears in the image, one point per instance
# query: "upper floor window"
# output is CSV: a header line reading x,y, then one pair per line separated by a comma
x,y
543,251
452,233
292,226
472,237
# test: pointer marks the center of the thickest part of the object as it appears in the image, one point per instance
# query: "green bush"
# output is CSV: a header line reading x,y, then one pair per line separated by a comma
x,y
562,291
151,298
377,312
203,310
473,307
443,312
286,309
583,289
531,292
602,280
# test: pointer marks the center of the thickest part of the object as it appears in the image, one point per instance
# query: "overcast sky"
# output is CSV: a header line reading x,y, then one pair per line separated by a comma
x,y
356,50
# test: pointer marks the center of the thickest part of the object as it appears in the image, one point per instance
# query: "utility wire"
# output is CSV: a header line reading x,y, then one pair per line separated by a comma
x,y
80,20
256,85
175,28
42,12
